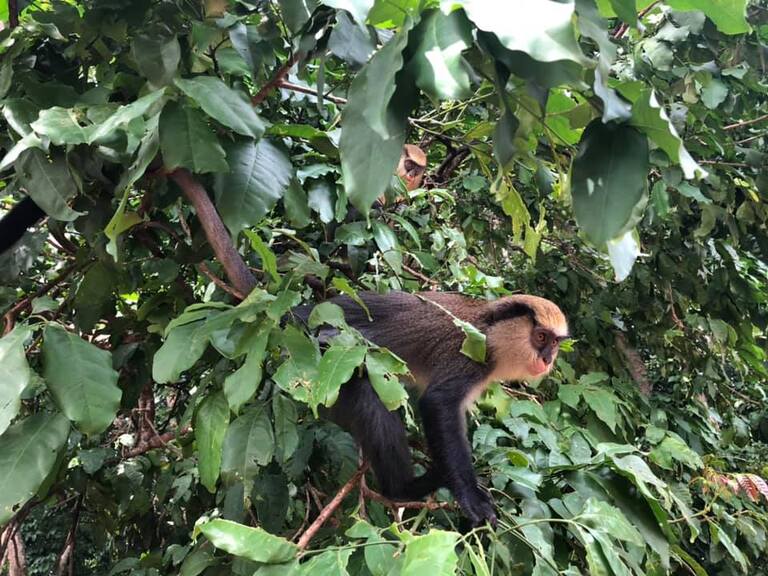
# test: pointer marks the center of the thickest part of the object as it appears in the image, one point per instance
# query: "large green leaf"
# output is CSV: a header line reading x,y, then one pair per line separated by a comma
x,y
48,182
609,179
336,367
248,445
650,117
728,15
299,370
211,422
434,554
124,115
374,123
358,8
187,140
15,374
259,175
28,452
383,370
181,349
157,56
230,107
438,63
541,28
286,432
62,126
81,379
241,385
94,297
253,543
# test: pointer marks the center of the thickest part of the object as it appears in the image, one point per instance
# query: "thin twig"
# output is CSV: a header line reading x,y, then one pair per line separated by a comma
x,y
276,79
203,267
66,561
743,123
410,505
304,90
331,507
24,303
420,276
155,442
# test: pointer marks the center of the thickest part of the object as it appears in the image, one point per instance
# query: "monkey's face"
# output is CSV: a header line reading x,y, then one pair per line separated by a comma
x,y
413,163
525,336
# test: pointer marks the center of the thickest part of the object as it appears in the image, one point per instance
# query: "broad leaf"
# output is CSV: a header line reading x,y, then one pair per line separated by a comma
x,y
49,183
187,140
434,554
211,422
541,28
358,8
241,385
253,543
63,126
383,370
259,175
335,368
222,103
286,433
94,297
157,57
609,180
28,452
181,349
438,63
81,379
728,15
15,374
248,445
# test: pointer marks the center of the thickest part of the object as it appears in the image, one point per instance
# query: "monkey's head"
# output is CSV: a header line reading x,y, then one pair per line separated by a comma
x,y
524,335
411,167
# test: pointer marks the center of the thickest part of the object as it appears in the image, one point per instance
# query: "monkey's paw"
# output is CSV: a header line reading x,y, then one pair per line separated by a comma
x,y
477,506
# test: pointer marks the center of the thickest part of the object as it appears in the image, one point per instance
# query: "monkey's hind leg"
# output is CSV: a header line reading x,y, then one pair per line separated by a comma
x,y
381,435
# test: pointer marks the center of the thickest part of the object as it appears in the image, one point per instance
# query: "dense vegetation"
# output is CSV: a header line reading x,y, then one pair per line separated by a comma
x,y
157,418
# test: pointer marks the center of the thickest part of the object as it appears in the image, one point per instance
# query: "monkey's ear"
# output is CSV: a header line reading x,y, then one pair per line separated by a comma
x,y
507,310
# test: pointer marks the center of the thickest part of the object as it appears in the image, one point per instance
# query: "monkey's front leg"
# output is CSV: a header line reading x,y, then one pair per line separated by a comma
x,y
441,414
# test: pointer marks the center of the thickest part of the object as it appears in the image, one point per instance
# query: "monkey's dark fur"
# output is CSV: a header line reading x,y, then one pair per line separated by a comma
x,y
14,224
425,336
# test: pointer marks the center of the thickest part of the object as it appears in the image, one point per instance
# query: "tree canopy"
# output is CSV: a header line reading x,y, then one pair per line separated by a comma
x,y
207,166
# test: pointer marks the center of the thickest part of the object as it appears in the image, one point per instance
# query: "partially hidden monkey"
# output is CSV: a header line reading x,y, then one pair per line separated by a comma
x,y
523,335
410,167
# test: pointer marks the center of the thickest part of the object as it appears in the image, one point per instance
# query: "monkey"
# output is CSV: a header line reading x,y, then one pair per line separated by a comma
x,y
410,167
523,336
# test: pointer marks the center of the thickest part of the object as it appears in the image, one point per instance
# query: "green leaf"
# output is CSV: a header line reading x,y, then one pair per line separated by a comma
x,y
28,452
473,345
124,115
541,28
62,126
350,42
48,182
383,370
386,240
335,368
603,403
609,180
296,375
671,448
374,123
211,422
182,348
286,432
156,56
358,8
433,554
438,64
187,140
241,385
259,175
81,380
719,536
268,258
504,138
650,117
94,297
230,107
15,374
249,444
728,15
569,394
253,543
329,563
606,518
626,10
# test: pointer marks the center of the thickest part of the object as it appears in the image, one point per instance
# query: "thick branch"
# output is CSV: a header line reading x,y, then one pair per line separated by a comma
x,y
218,237
331,507
13,13
156,441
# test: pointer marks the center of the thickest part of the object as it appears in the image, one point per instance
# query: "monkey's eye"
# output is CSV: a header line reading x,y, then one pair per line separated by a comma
x,y
540,337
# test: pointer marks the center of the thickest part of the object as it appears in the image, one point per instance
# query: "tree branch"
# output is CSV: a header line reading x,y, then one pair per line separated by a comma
x,y
237,272
304,90
276,79
743,123
331,507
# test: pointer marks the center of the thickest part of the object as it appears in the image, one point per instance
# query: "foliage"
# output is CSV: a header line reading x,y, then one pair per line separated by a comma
x,y
607,160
